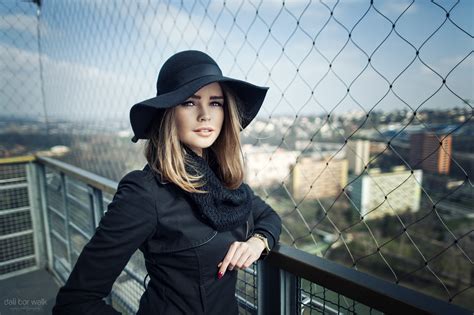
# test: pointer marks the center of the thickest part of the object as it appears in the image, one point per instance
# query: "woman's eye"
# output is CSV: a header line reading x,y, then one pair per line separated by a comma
x,y
191,103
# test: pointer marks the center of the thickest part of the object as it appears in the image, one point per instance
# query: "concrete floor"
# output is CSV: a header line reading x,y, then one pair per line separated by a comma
x,y
30,293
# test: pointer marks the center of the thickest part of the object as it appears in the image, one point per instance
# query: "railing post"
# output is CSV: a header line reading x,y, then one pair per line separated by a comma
x,y
41,182
289,296
96,204
268,288
35,213
66,220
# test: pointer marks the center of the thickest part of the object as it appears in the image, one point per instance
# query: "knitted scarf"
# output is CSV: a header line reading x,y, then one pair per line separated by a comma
x,y
222,208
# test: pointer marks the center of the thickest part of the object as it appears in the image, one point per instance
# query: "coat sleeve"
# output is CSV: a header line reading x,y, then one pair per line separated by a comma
x,y
129,221
266,221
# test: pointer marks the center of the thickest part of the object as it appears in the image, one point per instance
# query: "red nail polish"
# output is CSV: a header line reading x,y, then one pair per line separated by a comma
x,y
219,275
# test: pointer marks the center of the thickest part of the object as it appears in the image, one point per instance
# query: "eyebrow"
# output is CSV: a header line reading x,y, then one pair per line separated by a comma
x,y
212,97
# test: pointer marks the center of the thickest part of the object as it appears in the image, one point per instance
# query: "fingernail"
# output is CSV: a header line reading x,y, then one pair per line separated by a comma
x,y
219,275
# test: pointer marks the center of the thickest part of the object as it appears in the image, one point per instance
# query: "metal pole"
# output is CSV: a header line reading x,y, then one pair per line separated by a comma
x,y
289,295
66,220
35,213
268,287
96,205
41,182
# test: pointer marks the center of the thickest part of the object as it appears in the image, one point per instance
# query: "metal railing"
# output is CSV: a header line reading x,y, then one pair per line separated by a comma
x,y
20,224
68,203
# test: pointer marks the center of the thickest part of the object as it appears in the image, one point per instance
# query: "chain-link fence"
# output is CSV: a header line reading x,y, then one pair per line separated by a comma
x,y
18,238
363,144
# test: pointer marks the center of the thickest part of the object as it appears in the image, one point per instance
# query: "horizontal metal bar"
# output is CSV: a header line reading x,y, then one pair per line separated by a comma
x,y
56,212
250,271
14,210
124,300
58,236
17,159
13,186
249,307
133,274
15,260
323,307
60,260
78,202
78,187
25,232
84,176
78,229
367,289
12,180
18,272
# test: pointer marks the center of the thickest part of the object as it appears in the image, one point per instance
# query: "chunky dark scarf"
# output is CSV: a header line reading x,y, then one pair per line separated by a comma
x,y
222,208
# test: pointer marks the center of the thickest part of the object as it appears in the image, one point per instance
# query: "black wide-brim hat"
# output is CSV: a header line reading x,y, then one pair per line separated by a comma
x,y
180,77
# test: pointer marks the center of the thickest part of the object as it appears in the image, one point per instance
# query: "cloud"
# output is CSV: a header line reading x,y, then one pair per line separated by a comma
x,y
397,7
23,23
73,90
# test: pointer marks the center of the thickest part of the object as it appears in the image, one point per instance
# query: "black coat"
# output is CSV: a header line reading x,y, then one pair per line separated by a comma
x,y
181,252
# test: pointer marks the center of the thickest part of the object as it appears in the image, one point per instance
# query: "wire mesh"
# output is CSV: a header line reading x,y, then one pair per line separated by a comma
x,y
17,248
246,290
363,144
315,299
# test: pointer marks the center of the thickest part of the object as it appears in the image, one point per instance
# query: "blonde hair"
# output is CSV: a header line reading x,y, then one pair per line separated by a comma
x,y
166,155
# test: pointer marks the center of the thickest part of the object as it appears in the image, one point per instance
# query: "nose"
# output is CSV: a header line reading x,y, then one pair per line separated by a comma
x,y
204,114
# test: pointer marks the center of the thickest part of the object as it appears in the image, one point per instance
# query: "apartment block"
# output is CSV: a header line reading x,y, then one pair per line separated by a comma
x,y
427,153
401,189
313,179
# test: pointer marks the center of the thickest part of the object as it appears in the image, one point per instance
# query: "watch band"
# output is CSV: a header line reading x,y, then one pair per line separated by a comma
x,y
264,239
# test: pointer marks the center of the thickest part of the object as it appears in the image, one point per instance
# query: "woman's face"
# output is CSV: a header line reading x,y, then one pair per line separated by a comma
x,y
204,109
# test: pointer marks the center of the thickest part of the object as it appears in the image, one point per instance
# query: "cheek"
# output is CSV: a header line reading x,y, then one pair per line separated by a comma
x,y
181,122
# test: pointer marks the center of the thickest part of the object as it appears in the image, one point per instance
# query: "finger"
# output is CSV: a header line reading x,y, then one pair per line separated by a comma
x,y
220,264
243,259
250,260
227,258
236,260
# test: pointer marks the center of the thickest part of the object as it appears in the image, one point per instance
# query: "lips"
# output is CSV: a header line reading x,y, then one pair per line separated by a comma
x,y
204,129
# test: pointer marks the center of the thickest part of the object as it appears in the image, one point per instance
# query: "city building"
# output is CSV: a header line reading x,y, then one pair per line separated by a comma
x,y
402,189
427,153
358,154
311,178
267,165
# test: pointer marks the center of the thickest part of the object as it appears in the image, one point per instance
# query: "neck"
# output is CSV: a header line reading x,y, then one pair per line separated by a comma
x,y
202,154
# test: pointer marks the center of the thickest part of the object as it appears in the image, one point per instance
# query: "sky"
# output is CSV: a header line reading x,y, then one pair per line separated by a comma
x,y
101,57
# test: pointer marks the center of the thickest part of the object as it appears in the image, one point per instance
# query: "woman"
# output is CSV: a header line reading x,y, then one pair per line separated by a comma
x,y
188,210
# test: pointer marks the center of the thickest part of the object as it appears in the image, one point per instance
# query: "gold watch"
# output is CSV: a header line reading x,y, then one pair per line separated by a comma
x,y
264,239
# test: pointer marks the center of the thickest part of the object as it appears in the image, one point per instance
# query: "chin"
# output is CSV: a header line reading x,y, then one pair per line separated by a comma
x,y
201,143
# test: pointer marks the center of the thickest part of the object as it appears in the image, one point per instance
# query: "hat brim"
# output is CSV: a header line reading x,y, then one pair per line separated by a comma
x,y
142,114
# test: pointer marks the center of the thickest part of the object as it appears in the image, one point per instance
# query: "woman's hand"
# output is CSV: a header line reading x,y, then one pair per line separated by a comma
x,y
241,255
